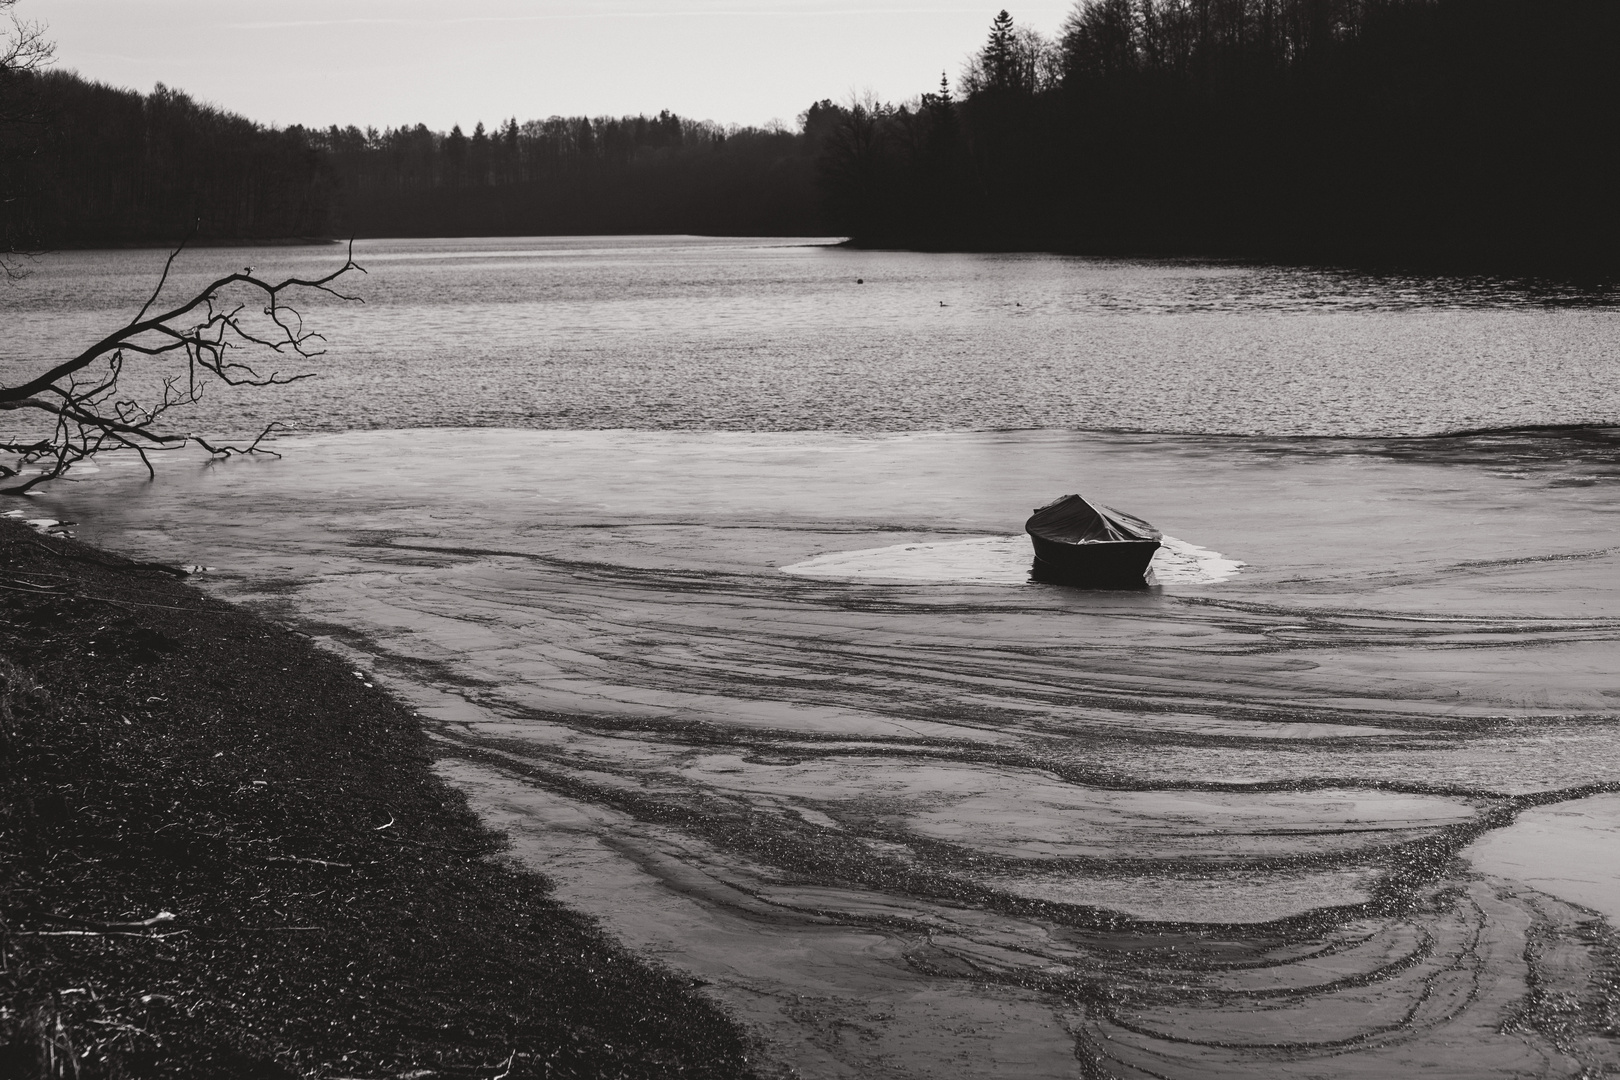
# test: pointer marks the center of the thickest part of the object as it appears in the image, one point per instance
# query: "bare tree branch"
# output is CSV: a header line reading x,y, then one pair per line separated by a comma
x,y
211,336
23,48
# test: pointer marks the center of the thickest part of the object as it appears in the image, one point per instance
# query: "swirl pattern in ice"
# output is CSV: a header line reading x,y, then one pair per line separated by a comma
x,y
962,825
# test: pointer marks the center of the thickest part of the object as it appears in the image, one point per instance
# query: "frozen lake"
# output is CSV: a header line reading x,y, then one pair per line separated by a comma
x,y
779,705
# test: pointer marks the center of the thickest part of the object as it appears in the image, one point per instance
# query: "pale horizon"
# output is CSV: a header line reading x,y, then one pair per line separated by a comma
x,y
403,62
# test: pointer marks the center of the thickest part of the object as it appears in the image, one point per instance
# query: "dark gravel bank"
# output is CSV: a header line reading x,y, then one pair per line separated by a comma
x,y
223,854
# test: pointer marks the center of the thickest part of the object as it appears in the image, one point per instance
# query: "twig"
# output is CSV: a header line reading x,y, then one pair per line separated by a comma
x,y
155,920
224,450
98,933
36,590
31,585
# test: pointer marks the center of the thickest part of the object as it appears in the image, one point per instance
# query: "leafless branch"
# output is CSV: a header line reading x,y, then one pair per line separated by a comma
x,y
208,337
224,450
23,45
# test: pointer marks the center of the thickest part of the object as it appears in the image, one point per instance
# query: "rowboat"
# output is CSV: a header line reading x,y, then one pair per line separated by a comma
x,y
1081,543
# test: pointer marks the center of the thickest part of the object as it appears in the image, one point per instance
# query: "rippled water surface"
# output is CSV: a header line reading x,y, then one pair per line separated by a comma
x,y
1336,797
778,335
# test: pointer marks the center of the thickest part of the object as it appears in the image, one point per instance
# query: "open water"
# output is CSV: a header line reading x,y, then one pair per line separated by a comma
x,y
703,562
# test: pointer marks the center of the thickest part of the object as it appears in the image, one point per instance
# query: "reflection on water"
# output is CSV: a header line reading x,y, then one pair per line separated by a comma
x,y
673,332
937,820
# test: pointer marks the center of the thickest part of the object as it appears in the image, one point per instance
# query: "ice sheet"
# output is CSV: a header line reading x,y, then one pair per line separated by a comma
x,y
1005,812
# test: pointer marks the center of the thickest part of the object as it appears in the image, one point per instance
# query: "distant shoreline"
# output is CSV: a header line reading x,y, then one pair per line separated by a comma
x,y
199,242
1579,273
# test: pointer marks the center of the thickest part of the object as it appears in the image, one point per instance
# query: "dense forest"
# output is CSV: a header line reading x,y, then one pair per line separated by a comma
x,y
1462,131
1483,132
98,165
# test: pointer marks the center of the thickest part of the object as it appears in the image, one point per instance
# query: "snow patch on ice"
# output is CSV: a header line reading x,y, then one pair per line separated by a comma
x,y
996,560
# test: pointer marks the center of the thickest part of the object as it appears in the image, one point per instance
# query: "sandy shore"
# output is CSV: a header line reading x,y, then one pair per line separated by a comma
x,y
226,854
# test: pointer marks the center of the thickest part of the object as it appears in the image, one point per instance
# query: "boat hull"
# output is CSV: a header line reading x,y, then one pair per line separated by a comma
x,y
1108,564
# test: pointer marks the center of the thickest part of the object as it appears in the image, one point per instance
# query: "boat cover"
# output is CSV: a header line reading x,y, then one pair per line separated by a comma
x,y
1072,520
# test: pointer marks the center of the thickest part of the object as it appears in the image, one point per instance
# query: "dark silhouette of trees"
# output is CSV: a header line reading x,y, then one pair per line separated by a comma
x,y
856,166
114,167
1015,60
1481,132
997,67
455,157
1466,132
635,174
23,50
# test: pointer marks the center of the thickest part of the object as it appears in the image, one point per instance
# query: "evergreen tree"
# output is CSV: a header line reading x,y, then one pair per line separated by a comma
x,y
455,156
478,156
1000,53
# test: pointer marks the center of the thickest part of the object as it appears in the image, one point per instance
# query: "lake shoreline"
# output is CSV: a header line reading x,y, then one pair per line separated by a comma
x,y
229,854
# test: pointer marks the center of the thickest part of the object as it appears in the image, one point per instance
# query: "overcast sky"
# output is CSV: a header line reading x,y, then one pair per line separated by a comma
x,y
391,62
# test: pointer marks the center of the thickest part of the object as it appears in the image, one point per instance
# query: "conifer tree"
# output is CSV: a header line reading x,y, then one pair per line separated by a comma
x,y
999,59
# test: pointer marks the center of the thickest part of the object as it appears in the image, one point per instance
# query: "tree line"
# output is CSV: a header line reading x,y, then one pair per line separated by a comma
x,y
91,164
1463,131
635,174
1482,132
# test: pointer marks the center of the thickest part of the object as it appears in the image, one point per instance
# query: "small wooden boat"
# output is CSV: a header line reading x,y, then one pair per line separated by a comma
x,y
1080,543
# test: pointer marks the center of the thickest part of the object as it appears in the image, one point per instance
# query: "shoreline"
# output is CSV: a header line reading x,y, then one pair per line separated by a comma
x,y
1597,275
229,854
